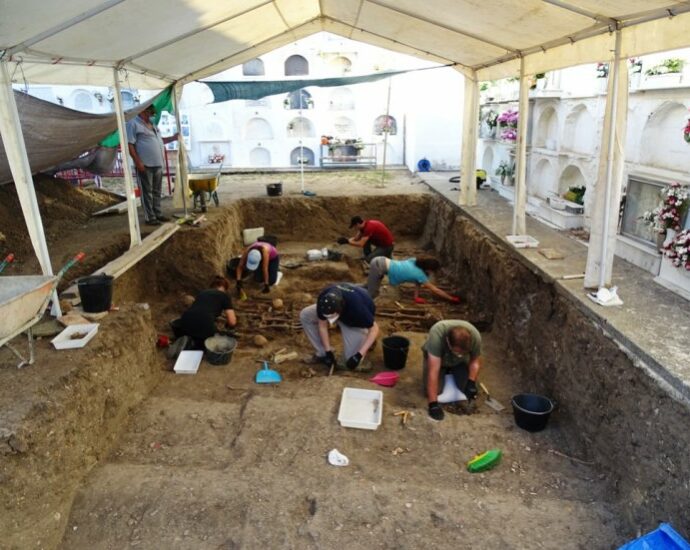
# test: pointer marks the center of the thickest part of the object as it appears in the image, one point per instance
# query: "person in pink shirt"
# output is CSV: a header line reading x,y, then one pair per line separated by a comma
x,y
373,236
259,254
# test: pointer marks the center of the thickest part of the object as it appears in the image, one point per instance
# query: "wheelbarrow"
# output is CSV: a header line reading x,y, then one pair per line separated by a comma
x,y
203,186
23,300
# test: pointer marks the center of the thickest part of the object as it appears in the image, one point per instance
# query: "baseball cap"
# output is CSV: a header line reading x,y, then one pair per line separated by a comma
x,y
355,221
253,259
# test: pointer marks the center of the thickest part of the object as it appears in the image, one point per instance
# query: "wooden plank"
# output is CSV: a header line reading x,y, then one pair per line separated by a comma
x,y
122,263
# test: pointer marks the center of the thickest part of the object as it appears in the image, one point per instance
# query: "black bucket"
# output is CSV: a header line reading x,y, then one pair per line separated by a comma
x,y
395,352
274,189
96,293
219,348
531,411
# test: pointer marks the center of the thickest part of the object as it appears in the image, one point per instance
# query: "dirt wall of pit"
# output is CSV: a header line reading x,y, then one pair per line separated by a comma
x,y
72,425
609,404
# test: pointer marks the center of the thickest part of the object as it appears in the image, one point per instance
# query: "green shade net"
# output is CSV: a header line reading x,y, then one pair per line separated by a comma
x,y
225,91
162,102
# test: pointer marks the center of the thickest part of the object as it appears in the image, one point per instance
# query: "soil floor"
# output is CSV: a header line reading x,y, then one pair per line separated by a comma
x,y
216,461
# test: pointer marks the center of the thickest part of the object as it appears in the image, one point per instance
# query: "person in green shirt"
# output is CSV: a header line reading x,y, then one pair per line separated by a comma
x,y
452,347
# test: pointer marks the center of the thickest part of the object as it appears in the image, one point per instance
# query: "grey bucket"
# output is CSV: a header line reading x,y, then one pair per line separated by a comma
x,y
219,348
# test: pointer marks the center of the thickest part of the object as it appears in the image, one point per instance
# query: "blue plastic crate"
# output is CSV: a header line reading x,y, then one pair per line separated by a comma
x,y
662,538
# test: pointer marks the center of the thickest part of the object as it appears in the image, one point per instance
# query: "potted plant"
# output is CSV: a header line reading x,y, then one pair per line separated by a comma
x,y
492,121
667,73
506,171
576,194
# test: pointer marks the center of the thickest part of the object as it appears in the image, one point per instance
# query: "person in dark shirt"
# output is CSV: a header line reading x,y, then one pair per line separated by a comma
x,y
353,310
372,236
199,321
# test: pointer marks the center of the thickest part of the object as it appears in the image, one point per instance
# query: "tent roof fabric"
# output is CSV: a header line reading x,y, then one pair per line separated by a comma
x,y
162,41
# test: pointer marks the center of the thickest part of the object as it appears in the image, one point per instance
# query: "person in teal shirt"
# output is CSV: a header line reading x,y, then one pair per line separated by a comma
x,y
412,270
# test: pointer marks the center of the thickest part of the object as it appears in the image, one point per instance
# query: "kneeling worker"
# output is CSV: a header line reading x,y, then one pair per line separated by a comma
x,y
370,233
412,270
351,307
259,254
199,321
452,347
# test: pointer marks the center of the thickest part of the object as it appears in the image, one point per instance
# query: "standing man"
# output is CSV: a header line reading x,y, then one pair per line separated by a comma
x,y
452,347
370,233
351,307
146,149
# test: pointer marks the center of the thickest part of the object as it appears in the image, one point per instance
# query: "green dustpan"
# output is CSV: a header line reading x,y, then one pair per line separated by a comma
x,y
267,376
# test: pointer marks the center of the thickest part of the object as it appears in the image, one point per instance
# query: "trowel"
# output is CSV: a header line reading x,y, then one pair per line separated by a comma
x,y
490,401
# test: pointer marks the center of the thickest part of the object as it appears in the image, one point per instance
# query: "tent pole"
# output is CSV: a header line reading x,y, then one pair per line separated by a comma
x,y
15,149
181,164
386,131
134,234
470,118
519,222
607,191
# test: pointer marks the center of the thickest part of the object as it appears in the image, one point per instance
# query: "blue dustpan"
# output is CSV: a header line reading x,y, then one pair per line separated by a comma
x,y
267,376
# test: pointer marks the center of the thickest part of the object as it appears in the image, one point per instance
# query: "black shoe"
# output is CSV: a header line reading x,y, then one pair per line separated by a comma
x,y
152,222
163,218
177,347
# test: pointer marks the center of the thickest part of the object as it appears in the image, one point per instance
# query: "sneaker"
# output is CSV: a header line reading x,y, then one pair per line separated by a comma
x,y
177,347
163,218
152,222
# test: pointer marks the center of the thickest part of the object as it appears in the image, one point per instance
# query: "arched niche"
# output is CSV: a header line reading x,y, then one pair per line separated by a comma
x,y
296,65
546,136
342,99
341,64
385,123
82,100
303,156
663,145
488,161
543,182
253,67
260,156
258,129
579,131
299,99
300,127
344,127
570,177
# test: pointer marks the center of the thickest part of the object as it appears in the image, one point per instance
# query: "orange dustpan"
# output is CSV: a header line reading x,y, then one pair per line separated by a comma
x,y
385,378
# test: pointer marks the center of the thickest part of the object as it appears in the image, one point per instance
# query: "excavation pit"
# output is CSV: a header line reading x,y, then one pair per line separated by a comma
x,y
129,454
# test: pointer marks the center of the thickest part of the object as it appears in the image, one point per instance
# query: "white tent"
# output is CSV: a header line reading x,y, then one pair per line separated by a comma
x,y
154,43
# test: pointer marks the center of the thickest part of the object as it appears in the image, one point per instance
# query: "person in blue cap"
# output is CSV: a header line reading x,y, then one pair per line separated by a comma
x,y
259,254
353,310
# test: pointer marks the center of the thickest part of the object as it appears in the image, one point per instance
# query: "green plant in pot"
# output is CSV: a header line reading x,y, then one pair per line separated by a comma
x,y
505,170
576,194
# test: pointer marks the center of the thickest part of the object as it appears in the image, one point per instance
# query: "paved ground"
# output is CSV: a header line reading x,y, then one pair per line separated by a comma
x,y
653,323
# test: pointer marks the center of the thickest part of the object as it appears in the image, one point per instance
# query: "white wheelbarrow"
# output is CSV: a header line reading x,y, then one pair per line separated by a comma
x,y
23,300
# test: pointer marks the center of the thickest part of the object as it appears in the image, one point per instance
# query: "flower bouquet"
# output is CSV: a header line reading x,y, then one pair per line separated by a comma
x,y
686,132
678,250
602,70
635,65
509,134
508,119
669,214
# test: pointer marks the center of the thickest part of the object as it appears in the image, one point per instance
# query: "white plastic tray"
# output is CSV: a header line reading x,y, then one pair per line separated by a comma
x,y
188,362
361,409
64,340
250,235
522,241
